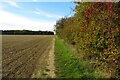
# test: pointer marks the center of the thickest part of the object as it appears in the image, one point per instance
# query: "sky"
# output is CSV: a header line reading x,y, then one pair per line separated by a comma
x,y
33,15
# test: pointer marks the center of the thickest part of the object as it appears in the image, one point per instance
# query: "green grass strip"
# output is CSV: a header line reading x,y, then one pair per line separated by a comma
x,y
69,66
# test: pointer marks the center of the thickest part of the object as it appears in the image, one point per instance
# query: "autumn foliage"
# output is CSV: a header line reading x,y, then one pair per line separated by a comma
x,y
95,32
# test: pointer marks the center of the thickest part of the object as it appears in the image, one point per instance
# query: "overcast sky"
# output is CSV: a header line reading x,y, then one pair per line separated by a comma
x,y
33,15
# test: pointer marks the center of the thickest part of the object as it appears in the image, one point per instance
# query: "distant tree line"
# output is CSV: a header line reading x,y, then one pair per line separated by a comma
x,y
26,32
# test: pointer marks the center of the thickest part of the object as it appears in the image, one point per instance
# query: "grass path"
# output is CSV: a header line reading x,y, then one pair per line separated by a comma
x,y
70,66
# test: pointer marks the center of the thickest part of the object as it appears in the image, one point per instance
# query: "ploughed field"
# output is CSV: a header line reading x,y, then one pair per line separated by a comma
x,y
24,55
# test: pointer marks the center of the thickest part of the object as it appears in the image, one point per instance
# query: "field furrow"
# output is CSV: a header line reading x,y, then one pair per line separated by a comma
x,y
18,54
22,62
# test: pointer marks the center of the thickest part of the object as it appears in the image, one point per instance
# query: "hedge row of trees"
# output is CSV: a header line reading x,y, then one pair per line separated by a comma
x,y
95,32
26,32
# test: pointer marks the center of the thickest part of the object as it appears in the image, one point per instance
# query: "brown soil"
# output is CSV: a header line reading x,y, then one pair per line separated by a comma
x,y
48,68
25,56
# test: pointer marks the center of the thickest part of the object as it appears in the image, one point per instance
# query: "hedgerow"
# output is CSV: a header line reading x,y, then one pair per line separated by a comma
x,y
95,32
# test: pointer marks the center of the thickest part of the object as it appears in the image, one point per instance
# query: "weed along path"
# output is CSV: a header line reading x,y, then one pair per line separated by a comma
x,y
69,65
47,70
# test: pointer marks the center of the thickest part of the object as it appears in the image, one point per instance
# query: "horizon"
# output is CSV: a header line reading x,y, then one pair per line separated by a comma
x,y
33,15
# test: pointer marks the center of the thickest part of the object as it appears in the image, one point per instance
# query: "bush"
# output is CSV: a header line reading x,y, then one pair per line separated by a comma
x,y
95,31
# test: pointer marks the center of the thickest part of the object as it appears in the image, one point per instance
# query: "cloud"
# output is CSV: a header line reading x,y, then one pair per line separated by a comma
x,y
0,7
34,0
38,13
39,0
14,4
43,13
12,22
